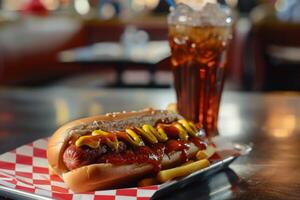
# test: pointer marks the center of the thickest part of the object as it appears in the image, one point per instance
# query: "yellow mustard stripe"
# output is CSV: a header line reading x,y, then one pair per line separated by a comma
x,y
84,140
189,126
112,144
148,135
133,138
161,136
147,132
182,132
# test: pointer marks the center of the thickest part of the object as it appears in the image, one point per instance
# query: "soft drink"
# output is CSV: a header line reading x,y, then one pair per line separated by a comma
x,y
198,59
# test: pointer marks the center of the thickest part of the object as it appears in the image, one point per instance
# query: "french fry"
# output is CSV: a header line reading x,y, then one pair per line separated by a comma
x,y
201,155
207,153
184,170
188,162
147,181
210,150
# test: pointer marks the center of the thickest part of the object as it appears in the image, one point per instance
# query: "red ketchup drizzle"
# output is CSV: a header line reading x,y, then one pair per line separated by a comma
x,y
175,145
198,142
140,155
170,130
152,154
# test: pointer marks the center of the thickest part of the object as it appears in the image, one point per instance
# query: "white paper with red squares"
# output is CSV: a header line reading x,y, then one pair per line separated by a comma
x,y
26,169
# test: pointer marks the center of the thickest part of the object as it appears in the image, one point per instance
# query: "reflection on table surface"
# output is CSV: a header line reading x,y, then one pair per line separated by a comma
x,y
268,121
218,186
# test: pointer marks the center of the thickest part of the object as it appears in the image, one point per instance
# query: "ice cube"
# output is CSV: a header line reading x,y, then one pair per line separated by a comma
x,y
196,4
182,14
213,14
199,14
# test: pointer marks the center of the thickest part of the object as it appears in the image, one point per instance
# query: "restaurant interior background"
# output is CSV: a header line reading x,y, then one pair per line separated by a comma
x,y
111,43
65,59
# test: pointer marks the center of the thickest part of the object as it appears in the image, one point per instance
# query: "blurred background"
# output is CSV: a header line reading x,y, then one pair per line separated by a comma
x,y
65,59
123,43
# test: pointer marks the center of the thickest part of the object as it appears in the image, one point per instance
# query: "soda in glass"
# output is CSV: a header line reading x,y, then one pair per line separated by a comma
x,y
198,39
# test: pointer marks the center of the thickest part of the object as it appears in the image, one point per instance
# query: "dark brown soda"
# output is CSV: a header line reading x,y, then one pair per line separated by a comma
x,y
198,58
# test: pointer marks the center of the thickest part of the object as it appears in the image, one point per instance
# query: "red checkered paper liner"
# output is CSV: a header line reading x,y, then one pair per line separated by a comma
x,y
26,169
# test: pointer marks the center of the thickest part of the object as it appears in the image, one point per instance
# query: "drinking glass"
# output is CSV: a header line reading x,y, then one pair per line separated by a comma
x,y
198,41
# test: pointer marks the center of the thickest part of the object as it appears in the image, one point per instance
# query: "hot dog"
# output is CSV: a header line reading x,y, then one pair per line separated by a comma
x,y
107,151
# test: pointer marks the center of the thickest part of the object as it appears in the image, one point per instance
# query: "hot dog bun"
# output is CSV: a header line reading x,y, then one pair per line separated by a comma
x,y
103,175
108,122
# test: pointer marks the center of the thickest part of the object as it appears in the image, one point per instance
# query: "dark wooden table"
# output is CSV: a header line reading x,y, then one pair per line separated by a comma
x,y
269,121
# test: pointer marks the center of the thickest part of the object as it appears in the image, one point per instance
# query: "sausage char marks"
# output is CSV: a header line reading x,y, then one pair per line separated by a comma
x,y
145,144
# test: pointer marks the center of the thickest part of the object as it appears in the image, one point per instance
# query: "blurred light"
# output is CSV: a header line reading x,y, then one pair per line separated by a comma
x,y
280,133
151,3
228,20
281,126
51,4
196,4
232,123
65,2
18,4
182,18
13,4
196,1
139,5
243,25
231,3
62,111
107,11
280,5
82,6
